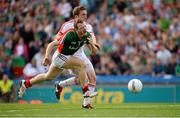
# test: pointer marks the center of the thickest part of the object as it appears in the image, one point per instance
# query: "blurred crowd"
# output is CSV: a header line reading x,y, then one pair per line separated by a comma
x,y
136,36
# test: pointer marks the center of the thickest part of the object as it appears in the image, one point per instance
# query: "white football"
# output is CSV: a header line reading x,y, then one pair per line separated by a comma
x,y
135,85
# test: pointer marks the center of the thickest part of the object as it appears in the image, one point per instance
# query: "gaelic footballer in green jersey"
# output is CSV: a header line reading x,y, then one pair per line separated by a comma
x,y
64,60
71,43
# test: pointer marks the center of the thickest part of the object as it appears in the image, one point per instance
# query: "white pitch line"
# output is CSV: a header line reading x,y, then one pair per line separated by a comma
x,y
21,110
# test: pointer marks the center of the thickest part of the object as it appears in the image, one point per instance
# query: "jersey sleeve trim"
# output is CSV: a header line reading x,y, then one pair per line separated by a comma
x,y
60,47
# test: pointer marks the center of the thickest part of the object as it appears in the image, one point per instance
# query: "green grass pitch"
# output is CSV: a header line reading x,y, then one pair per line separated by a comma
x,y
103,110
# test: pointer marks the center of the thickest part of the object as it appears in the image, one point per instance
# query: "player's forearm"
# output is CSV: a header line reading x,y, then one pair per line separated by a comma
x,y
93,46
93,38
93,49
57,36
48,50
94,42
50,47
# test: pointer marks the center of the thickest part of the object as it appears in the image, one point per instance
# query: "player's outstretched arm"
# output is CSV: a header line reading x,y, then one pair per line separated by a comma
x,y
49,49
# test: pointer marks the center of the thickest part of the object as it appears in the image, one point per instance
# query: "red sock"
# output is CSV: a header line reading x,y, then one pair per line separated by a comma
x,y
28,83
85,88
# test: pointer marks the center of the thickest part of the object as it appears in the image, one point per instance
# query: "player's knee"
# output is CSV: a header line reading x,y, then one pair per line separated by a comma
x,y
91,77
82,65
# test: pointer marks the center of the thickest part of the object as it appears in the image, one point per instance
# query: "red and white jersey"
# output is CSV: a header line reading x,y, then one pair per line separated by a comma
x,y
69,25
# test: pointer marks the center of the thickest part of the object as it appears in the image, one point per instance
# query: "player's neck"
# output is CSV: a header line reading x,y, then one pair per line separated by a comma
x,y
79,35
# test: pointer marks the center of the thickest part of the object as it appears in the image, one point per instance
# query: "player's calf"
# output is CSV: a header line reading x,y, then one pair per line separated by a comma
x,y
23,86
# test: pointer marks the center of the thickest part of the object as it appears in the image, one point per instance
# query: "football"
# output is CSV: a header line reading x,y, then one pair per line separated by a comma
x,y
135,85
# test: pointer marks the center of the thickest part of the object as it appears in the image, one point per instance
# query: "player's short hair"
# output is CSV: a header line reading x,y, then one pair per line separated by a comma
x,y
76,22
77,10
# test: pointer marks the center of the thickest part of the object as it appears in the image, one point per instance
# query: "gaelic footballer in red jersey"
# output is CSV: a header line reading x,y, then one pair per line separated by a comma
x,y
79,12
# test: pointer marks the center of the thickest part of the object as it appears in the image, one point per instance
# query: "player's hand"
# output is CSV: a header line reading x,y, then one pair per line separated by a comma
x,y
46,61
90,40
98,46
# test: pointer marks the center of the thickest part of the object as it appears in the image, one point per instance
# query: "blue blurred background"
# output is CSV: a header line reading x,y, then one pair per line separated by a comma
x,y
139,39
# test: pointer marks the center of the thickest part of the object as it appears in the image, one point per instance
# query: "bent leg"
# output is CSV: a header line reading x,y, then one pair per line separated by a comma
x,y
75,63
50,75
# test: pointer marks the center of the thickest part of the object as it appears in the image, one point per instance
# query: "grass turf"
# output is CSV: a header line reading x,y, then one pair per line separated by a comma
x,y
104,110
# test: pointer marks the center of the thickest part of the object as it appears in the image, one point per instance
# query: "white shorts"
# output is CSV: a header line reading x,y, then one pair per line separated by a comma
x,y
58,59
82,56
58,62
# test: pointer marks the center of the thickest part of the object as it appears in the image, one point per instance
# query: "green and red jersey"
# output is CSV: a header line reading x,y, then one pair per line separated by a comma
x,y
70,42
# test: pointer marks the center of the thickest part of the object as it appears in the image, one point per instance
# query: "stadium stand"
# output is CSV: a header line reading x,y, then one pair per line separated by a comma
x,y
137,36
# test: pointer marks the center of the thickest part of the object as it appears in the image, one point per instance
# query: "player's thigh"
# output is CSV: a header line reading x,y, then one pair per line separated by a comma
x,y
90,72
89,67
73,63
53,71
